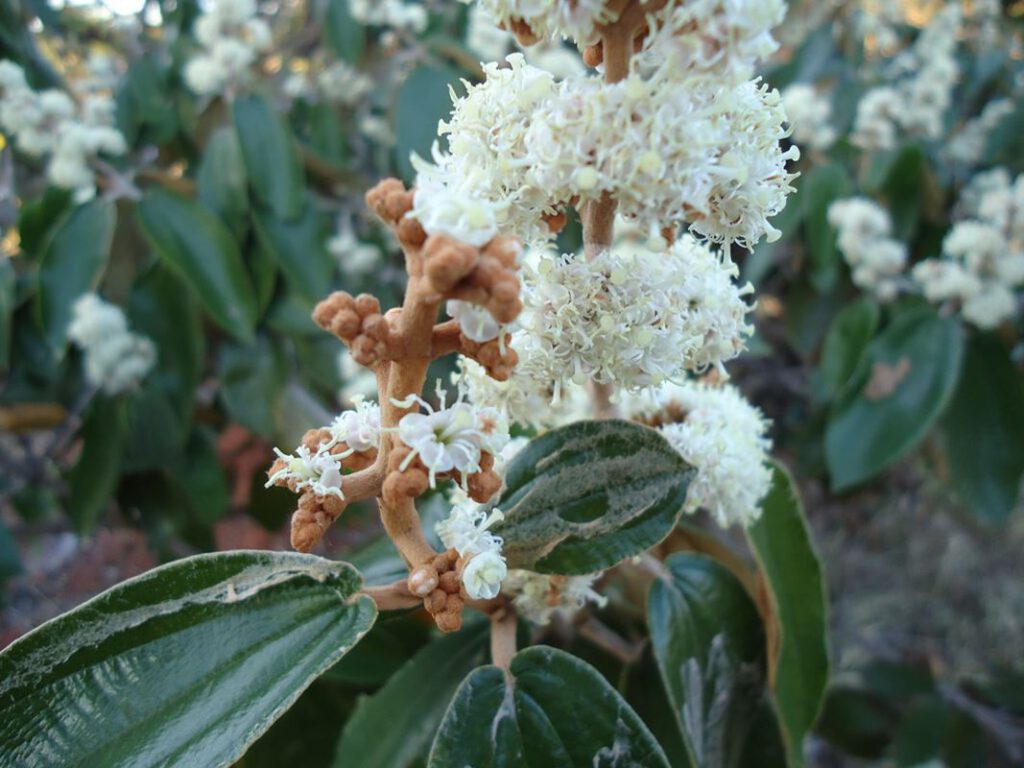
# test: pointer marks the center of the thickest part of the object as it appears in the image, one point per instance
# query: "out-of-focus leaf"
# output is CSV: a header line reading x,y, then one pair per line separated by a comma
x,y
201,477
582,498
251,381
163,308
344,34
72,265
549,709
38,218
271,157
764,747
412,703
823,185
645,692
298,247
797,630
857,722
200,247
899,177
709,643
907,378
845,343
327,134
421,102
10,560
154,435
984,431
93,479
145,109
920,734
222,182
389,646
190,662
8,297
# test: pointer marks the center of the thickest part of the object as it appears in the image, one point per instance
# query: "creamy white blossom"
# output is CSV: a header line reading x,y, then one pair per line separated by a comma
x,y
354,256
809,113
231,38
115,359
726,439
318,470
476,322
632,316
360,427
538,597
483,574
390,13
875,258
467,531
341,83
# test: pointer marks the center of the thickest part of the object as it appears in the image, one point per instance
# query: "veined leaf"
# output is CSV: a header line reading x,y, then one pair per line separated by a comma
x,y
550,709
188,663
271,157
584,497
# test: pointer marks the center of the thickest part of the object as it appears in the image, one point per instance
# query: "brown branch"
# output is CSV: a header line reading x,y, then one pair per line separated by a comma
x,y
503,638
393,597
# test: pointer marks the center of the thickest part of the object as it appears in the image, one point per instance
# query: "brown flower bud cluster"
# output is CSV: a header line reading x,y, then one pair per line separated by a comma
x,y
484,276
414,480
439,583
496,356
358,322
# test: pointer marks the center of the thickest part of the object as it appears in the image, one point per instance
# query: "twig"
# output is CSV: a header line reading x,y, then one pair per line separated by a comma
x,y
503,638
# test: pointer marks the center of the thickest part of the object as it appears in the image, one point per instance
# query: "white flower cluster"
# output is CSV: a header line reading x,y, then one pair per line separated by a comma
x,y
341,83
685,138
983,254
452,438
320,470
968,145
354,256
466,530
115,358
231,37
389,13
537,597
726,439
632,316
917,102
809,113
865,238
574,19
51,123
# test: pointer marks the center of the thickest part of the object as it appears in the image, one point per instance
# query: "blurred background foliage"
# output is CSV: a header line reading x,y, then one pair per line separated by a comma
x,y
230,215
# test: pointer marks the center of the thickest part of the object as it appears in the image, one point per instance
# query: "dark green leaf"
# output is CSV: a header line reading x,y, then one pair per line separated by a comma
x,y
271,157
221,180
72,265
856,722
8,297
298,248
346,35
845,342
163,308
584,497
251,381
200,247
386,649
764,747
709,643
37,219
411,704
822,186
189,663
645,692
421,102
154,435
10,561
798,629
907,377
984,431
550,709
93,479
327,134
202,479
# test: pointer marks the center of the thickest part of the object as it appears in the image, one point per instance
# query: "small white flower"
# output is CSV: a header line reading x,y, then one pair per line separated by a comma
x,y
444,440
483,574
537,596
359,428
466,529
476,322
319,471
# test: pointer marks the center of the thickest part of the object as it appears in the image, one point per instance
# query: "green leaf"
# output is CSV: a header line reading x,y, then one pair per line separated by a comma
x,y
823,185
251,381
199,246
984,431
10,560
93,479
847,339
584,497
709,643
900,177
421,102
72,264
327,134
385,650
298,247
188,663
549,709
344,34
221,180
906,378
412,703
791,573
163,308
8,301
271,157
201,477
37,219
154,435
